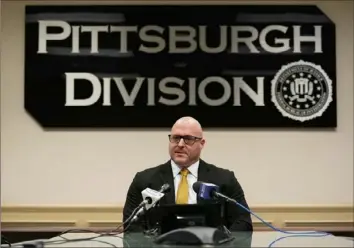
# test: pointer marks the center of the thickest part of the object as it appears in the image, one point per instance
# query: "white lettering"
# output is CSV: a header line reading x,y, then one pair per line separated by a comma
x,y
299,39
128,99
94,30
181,96
284,42
192,92
203,40
236,39
123,31
169,86
44,36
256,97
185,39
189,38
151,38
76,41
151,92
70,89
211,102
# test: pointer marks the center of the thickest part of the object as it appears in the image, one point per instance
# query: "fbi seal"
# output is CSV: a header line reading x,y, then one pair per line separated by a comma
x,y
301,91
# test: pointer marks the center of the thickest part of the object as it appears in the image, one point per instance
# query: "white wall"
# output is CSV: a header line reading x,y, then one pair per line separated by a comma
x,y
96,167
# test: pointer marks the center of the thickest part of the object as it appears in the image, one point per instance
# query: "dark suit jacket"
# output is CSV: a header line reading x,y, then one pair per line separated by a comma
x,y
237,218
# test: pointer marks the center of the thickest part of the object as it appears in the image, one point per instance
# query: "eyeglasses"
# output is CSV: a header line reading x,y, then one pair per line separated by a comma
x,y
187,139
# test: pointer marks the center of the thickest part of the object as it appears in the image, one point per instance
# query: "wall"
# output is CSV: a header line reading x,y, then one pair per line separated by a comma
x,y
64,171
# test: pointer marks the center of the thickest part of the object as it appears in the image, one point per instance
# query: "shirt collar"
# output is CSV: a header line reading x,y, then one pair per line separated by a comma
x,y
193,169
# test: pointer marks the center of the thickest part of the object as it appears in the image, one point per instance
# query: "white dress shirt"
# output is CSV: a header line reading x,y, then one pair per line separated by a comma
x,y
192,177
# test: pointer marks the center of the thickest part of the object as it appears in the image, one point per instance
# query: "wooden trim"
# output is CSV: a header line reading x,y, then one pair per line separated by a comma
x,y
333,225
62,209
304,209
47,218
113,208
184,2
37,224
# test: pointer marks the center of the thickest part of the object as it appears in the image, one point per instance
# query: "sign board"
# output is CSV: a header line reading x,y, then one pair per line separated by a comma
x,y
147,66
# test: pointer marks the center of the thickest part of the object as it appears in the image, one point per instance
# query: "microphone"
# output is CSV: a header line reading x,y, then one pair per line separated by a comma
x,y
151,197
209,191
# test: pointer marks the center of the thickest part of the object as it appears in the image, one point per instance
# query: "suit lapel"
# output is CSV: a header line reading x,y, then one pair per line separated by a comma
x,y
203,175
167,177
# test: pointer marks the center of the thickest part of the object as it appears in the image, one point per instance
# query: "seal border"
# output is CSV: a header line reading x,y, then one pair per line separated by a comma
x,y
317,114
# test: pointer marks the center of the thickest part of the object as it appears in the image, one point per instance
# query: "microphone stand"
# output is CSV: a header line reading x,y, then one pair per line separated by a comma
x,y
223,199
150,230
146,222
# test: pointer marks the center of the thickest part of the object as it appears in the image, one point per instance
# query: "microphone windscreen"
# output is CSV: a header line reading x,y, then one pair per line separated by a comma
x,y
196,187
165,188
205,190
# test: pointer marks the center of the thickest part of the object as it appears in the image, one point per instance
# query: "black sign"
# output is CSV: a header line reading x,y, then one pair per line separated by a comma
x,y
146,66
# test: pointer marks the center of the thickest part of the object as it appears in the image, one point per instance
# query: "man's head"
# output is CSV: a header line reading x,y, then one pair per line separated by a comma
x,y
186,141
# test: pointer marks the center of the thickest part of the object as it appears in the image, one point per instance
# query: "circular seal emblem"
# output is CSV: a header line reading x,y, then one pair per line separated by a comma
x,y
301,91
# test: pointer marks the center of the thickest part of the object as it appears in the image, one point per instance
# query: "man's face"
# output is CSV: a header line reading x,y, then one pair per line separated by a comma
x,y
185,144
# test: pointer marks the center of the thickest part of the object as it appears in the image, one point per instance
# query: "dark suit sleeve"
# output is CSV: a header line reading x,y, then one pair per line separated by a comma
x,y
132,201
238,218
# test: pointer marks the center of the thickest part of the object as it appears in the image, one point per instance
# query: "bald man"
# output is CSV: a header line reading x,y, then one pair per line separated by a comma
x,y
185,167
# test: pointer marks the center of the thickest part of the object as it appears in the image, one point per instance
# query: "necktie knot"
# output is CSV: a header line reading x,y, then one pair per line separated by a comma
x,y
184,172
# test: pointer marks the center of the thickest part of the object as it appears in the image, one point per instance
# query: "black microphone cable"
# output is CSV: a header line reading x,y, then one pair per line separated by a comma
x,y
320,234
290,234
113,233
164,188
64,240
41,244
5,240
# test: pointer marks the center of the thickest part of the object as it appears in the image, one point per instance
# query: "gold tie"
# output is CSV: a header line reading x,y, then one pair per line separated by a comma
x,y
182,193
